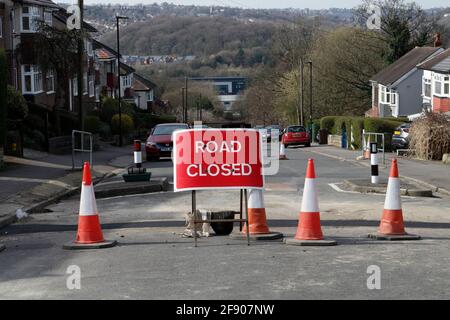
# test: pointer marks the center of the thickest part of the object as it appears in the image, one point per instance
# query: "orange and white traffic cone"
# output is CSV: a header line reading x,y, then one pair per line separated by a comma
x,y
257,221
283,152
89,235
391,226
309,231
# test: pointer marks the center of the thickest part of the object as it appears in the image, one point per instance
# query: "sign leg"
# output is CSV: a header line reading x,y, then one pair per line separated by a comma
x,y
241,209
246,217
194,211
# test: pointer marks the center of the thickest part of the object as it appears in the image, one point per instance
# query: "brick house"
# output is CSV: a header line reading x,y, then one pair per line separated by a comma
x,y
436,82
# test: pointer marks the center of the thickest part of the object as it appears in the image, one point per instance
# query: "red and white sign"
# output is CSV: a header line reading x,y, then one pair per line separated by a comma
x,y
217,159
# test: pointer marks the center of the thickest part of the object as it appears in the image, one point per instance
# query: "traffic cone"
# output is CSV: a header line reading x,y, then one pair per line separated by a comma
x,y
89,235
283,152
309,231
257,221
391,226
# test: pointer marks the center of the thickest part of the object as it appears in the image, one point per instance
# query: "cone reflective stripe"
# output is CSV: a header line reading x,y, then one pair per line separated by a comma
x,y
392,219
89,234
309,219
257,220
282,152
89,230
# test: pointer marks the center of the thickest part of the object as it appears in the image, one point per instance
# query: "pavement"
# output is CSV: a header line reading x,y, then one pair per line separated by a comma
x,y
32,182
431,174
152,260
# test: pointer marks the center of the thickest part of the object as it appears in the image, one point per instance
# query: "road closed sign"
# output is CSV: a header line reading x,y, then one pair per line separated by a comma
x,y
217,159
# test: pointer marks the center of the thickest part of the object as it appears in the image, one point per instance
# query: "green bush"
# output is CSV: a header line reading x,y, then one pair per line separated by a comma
x,y
146,121
34,122
34,140
357,128
92,124
110,107
327,123
127,124
380,125
16,104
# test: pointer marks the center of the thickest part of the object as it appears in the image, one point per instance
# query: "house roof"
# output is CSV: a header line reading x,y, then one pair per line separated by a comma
x,y
142,84
45,3
97,45
440,63
405,64
62,15
125,69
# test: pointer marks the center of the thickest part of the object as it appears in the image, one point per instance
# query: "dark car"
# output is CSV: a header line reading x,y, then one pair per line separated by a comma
x,y
269,132
400,139
295,136
159,143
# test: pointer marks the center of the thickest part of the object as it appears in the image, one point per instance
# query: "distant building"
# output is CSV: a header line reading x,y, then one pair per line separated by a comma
x,y
229,89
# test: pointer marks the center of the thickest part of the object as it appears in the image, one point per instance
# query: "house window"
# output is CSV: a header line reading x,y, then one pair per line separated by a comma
x,y
85,83
31,79
97,94
447,86
388,96
75,86
126,81
438,87
30,17
88,47
48,18
1,27
50,81
150,95
91,86
427,88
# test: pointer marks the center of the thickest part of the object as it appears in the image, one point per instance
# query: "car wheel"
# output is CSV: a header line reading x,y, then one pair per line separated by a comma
x,y
151,158
308,145
286,146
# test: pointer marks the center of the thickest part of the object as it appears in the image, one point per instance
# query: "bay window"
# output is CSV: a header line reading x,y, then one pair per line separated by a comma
x,y
442,85
31,79
91,86
426,88
85,83
29,19
388,96
50,81
48,18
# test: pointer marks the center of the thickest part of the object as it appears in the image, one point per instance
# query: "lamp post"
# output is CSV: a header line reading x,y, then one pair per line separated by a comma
x,y
183,107
186,99
118,18
80,68
302,85
310,99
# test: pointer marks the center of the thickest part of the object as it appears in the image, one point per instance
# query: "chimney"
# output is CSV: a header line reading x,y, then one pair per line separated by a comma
x,y
437,40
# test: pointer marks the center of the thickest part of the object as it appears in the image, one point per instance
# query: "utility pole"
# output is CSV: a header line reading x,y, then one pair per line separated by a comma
x,y
183,107
80,67
310,99
118,79
302,91
186,101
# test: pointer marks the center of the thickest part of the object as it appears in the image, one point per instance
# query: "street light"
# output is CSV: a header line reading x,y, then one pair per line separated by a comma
x,y
118,78
310,99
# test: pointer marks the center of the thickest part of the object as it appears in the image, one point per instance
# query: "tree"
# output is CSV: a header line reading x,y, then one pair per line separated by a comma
x,y
404,25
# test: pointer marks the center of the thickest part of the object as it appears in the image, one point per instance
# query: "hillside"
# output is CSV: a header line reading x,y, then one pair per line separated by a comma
x,y
199,36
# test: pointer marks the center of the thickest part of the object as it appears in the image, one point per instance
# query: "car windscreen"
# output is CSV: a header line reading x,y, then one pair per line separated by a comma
x,y
296,129
167,130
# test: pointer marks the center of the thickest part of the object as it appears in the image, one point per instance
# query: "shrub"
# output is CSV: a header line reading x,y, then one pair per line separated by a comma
x,y
357,124
379,125
34,122
430,137
327,123
127,124
110,107
16,104
92,124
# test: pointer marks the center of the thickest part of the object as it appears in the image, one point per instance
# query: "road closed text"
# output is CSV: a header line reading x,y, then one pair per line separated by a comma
x,y
214,170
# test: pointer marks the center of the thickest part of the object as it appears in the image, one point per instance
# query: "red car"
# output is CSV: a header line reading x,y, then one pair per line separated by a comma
x,y
296,135
159,143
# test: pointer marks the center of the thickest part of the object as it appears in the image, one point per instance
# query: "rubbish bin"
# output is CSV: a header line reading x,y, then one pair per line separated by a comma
x,y
14,144
323,136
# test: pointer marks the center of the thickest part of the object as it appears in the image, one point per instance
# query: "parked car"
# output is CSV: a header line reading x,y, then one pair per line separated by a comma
x,y
295,136
159,143
400,139
269,132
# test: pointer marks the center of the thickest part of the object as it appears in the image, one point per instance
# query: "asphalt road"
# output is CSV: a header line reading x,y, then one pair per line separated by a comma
x,y
152,261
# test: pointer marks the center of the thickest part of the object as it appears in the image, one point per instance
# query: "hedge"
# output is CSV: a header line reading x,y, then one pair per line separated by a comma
x,y
355,125
127,124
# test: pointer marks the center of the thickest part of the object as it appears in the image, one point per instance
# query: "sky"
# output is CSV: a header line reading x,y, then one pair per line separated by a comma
x,y
312,4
